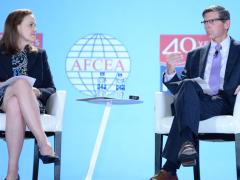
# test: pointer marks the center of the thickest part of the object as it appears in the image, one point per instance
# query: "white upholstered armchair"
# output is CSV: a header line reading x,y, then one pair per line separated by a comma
x,y
52,125
217,128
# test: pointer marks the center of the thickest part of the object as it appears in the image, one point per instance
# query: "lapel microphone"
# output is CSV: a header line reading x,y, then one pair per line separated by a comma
x,y
216,53
218,47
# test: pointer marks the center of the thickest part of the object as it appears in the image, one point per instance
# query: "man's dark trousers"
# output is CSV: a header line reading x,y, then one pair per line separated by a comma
x,y
191,105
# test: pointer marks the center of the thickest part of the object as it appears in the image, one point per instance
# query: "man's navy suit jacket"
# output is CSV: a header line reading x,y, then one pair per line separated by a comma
x,y
195,67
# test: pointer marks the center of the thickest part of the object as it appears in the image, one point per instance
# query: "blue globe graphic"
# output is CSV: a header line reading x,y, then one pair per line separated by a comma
x,y
94,54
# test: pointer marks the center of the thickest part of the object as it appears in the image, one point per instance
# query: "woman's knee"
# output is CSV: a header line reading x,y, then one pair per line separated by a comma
x,y
12,105
13,111
21,84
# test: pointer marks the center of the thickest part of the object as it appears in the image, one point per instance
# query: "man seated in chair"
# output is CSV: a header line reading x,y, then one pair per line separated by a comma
x,y
219,65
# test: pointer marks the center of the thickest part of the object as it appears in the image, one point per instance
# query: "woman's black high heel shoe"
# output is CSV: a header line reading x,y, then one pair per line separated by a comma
x,y
47,159
18,178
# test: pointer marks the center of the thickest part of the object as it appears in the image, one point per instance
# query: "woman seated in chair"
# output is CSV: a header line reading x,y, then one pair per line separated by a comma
x,y
21,102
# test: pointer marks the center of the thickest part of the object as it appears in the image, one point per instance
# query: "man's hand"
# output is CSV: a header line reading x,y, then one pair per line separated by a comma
x,y
172,60
36,92
237,90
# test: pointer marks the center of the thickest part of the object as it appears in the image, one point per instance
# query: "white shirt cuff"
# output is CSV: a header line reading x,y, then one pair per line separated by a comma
x,y
168,77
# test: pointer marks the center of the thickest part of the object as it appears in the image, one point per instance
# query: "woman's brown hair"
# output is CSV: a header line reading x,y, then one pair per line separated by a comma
x,y
10,35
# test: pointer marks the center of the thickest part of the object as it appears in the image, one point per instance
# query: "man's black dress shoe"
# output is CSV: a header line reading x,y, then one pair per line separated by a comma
x,y
47,159
187,154
164,175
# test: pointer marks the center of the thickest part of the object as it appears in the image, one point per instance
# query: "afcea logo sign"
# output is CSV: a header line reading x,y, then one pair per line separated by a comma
x,y
93,54
180,43
38,42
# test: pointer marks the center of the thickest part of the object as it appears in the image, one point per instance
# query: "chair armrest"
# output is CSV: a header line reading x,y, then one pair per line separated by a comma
x,y
236,110
163,102
55,106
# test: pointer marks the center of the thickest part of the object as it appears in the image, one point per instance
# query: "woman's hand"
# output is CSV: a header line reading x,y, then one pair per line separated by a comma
x,y
37,92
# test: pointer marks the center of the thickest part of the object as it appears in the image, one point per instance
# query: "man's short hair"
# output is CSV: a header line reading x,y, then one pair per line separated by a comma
x,y
223,13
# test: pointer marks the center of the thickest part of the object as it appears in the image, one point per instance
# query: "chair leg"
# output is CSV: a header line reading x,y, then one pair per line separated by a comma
x,y
158,151
196,169
237,147
35,161
57,148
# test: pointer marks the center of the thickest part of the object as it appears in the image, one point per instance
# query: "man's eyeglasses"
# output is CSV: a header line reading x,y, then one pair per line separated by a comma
x,y
211,21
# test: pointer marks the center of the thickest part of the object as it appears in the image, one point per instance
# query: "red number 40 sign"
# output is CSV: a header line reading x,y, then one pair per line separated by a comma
x,y
181,44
